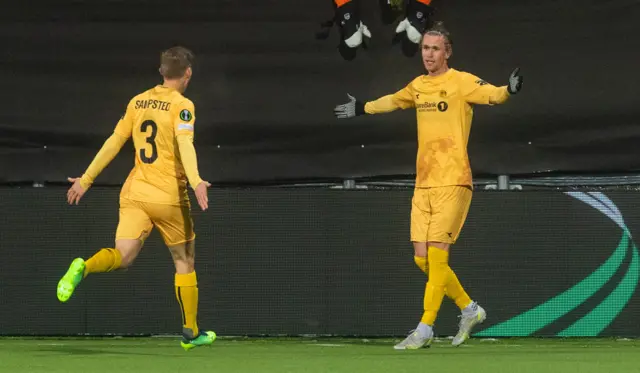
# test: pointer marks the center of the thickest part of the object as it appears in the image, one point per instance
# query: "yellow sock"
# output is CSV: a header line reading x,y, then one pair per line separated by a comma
x,y
421,262
439,274
455,291
105,260
187,294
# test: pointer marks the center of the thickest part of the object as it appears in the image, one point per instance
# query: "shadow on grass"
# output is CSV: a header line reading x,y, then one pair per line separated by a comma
x,y
85,351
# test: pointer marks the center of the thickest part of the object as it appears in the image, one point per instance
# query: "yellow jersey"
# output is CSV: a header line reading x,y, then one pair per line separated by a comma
x,y
444,111
153,120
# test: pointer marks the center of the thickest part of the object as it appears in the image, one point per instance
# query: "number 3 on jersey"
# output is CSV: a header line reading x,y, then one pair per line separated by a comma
x,y
151,139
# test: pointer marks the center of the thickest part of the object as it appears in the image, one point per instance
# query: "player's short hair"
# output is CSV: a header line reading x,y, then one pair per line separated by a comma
x,y
175,61
438,30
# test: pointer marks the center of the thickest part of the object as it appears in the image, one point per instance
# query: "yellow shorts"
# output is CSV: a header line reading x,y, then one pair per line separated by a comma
x,y
137,219
438,214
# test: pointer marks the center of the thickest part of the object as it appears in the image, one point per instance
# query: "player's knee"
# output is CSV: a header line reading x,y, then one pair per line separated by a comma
x,y
184,264
420,249
183,257
188,259
128,250
439,245
127,259
184,267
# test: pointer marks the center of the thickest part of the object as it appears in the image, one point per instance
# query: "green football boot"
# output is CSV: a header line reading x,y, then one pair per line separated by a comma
x,y
68,283
203,339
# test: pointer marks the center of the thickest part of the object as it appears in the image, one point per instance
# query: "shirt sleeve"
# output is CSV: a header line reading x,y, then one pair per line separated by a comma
x,y
125,124
109,150
478,91
185,119
184,133
403,99
189,159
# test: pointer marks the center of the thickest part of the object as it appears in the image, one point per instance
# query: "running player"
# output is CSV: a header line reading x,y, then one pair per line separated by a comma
x,y
161,123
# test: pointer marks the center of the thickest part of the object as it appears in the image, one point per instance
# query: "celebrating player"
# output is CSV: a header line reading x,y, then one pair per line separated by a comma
x,y
161,123
444,100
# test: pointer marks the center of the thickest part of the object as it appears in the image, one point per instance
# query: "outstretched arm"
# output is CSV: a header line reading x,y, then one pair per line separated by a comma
x,y
403,99
109,150
478,91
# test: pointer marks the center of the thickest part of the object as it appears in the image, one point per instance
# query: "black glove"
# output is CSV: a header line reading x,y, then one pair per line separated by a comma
x,y
350,109
417,19
352,29
515,82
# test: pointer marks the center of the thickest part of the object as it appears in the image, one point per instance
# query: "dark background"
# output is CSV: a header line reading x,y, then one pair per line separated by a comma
x,y
304,261
264,86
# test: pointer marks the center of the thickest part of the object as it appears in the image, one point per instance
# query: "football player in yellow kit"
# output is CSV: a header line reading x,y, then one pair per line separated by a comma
x,y
161,123
443,99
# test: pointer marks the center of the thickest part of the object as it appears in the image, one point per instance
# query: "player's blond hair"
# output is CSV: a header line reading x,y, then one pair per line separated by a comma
x,y
175,61
438,30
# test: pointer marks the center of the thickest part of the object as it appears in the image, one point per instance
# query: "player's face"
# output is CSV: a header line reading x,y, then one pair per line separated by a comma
x,y
434,54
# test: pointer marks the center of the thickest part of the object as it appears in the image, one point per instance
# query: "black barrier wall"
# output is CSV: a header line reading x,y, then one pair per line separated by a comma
x,y
264,87
273,261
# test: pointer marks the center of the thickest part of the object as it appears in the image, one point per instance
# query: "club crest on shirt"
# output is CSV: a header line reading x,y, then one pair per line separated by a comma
x,y
186,115
443,93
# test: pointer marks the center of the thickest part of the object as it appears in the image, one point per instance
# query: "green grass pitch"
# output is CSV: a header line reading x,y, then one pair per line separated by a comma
x,y
308,355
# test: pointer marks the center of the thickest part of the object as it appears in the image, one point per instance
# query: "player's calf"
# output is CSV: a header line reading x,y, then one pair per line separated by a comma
x,y
105,260
186,286
128,250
